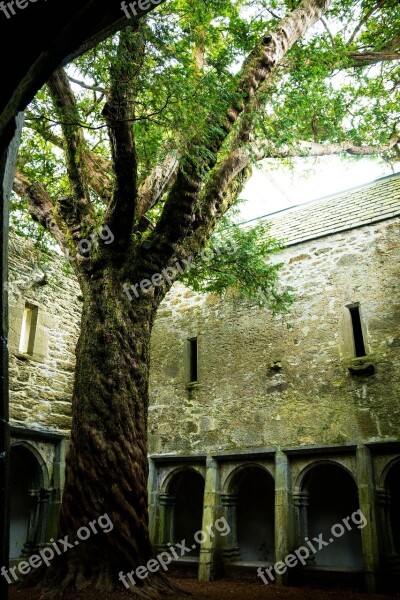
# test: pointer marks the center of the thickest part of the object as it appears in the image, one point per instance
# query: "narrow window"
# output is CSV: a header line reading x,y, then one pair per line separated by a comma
x,y
28,329
193,359
358,337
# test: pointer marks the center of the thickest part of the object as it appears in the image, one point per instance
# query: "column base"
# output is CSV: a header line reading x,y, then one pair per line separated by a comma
x,y
231,554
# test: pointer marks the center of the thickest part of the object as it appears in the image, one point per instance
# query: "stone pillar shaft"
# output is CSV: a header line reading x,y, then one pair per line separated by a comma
x,y
301,501
53,507
211,512
283,520
37,525
166,529
230,549
390,556
369,533
152,488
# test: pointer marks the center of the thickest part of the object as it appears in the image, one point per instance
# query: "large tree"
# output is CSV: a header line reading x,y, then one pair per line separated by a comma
x,y
152,136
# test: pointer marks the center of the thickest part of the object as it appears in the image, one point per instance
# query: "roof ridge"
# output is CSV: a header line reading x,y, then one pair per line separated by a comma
x,y
361,206
322,199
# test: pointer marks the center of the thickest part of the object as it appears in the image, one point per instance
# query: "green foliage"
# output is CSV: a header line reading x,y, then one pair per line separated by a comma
x,y
324,96
238,258
318,96
185,70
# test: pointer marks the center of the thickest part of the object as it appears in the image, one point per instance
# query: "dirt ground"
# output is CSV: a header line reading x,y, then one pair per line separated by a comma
x,y
225,590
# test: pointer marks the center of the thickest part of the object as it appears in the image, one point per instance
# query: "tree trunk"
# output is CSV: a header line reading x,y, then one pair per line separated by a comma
x,y
107,466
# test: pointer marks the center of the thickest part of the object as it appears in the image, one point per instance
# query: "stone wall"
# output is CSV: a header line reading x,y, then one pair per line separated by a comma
x,y
41,380
263,380
284,380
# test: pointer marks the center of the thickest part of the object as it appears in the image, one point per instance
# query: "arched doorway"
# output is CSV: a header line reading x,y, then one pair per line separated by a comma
x,y
254,491
330,495
26,481
187,491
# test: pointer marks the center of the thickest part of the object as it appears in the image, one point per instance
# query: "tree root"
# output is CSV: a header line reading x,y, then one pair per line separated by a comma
x,y
54,584
71,578
151,591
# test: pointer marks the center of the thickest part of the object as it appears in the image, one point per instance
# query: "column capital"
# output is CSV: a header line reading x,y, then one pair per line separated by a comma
x,y
211,463
383,497
301,498
166,499
228,499
34,494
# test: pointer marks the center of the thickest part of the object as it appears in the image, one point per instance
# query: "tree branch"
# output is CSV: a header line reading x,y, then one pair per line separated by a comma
x,y
40,206
65,104
45,132
388,51
157,184
87,86
199,50
77,210
97,168
98,172
328,31
118,112
304,148
393,45
364,59
178,217
364,19
221,189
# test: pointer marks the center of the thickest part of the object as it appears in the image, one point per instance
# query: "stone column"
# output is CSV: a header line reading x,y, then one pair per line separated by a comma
x,y
211,512
32,543
230,549
59,464
369,533
53,507
283,520
152,488
166,530
301,502
389,555
45,497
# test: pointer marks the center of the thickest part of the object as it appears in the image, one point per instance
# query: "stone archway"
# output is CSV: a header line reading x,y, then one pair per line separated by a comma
x,y
186,490
250,510
28,500
329,494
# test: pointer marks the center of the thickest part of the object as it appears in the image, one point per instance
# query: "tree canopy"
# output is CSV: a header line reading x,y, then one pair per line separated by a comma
x,y
172,78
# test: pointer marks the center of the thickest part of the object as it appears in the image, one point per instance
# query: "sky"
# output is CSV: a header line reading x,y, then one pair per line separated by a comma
x,y
273,189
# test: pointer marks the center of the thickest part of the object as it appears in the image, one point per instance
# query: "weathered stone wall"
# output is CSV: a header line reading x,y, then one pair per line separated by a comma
x,y
244,400
41,384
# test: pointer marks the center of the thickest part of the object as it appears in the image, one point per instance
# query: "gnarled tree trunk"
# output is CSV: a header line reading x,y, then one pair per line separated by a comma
x,y
106,471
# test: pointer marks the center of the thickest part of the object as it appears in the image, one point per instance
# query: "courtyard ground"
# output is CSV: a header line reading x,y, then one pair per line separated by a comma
x,y
225,590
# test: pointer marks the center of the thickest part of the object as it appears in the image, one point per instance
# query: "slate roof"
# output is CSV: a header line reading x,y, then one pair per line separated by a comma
x,y
376,201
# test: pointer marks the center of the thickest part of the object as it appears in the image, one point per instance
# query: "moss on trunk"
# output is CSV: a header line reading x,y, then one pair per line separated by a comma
x,y
107,467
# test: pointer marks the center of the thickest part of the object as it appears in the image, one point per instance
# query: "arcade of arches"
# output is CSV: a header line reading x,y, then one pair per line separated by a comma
x,y
275,504
272,503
